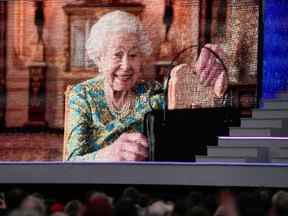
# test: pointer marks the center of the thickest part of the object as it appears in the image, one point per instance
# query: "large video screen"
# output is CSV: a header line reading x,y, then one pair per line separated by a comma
x,y
78,77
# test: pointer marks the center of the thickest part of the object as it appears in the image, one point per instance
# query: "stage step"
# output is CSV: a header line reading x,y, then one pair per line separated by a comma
x,y
275,104
200,158
257,132
262,138
275,146
269,114
279,142
240,152
282,95
264,123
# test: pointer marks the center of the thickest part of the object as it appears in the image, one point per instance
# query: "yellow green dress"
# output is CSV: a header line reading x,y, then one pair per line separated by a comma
x,y
93,126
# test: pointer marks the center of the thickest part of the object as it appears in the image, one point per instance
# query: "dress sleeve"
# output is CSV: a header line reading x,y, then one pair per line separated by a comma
x,y
79,142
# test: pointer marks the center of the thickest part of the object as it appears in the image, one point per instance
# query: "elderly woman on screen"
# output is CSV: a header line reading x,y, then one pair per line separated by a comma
x,y
106,113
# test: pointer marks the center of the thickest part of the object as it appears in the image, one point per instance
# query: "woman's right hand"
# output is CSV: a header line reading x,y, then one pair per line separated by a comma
x,y
130,147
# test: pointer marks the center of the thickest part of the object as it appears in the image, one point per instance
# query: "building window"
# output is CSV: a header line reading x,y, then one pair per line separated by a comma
x,y
79,32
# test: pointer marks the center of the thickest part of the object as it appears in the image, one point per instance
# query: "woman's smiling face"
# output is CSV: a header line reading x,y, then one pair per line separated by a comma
x,y
121,62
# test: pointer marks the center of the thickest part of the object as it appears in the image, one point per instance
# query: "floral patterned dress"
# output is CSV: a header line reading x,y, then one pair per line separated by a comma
x,y
93,126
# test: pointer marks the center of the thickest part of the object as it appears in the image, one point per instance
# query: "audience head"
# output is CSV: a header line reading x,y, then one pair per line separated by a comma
x,y
125,207
160,208
280,203
131,193
56,207
91,195
14,197
99,205
74,208
250,204
34,202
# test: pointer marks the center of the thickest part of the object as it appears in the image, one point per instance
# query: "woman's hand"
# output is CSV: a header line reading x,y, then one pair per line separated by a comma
x,y
130,147
211,71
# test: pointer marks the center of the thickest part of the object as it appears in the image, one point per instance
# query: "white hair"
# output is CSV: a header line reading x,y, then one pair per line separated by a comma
x,y
113,23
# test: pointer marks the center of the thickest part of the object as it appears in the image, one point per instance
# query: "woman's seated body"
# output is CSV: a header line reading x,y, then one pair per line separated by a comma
x,y
106,113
